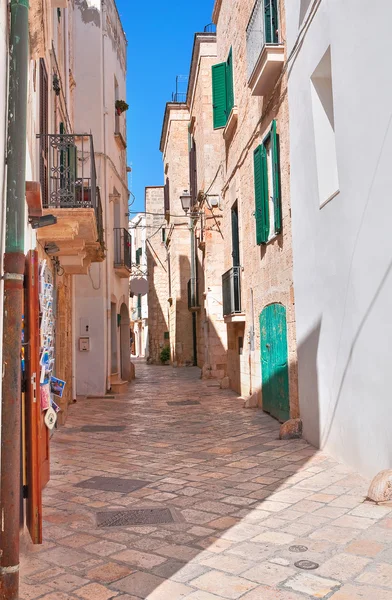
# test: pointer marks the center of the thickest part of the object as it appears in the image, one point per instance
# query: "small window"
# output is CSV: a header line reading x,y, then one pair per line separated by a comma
x,y
163,234
240,346
166,335
138,255
267,187
222,91
324,129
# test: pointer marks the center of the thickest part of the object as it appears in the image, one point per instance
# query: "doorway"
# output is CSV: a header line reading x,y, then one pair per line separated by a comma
x,y
125,350
113,321
274,362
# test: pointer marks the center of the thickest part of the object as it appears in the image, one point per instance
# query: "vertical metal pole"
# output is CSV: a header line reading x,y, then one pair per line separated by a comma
x,y
193,288
14,263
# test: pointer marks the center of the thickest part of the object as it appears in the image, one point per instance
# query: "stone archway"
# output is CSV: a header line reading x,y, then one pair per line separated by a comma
x,y
125,348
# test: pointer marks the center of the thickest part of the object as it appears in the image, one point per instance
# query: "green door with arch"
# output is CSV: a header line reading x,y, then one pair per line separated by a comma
x,y
274,362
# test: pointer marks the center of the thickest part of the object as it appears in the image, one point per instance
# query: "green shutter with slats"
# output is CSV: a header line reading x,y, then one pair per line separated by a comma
x,y
271,21
276,178
219,95
261,195
230,83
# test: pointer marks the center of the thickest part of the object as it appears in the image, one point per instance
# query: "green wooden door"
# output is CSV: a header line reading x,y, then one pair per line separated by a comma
x,y
274,362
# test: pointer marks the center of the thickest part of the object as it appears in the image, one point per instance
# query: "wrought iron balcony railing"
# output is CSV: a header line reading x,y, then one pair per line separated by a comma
x,y
231,288
193,294
262,30
122,248
68,174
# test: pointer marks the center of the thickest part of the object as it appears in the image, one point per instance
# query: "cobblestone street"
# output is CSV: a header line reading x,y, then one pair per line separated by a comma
x,y
245,515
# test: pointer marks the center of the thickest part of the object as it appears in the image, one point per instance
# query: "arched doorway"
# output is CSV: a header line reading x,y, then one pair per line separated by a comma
x,y
274,362
125,349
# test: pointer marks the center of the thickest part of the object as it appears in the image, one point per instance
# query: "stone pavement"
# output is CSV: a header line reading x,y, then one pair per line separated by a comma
x,y
247,508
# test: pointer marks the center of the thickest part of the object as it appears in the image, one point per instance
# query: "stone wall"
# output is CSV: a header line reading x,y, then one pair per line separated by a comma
x,y
266,269
157,269
174,145
211,329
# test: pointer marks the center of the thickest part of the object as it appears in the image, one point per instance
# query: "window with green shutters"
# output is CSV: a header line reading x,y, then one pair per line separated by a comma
x,y
268,212
222,91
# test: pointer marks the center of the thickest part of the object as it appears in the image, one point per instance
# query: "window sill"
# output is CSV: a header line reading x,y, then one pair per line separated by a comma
x,y
332,196
231,124
267,70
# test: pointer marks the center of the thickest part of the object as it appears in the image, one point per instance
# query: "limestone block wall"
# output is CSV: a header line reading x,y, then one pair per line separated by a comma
x,y
211,329
267,270
174,146
157,270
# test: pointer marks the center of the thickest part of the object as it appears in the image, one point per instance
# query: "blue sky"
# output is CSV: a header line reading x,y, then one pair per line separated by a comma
x,y
160,40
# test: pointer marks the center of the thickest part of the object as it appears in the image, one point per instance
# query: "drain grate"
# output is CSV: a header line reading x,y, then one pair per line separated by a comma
x,y
102,428
184,403
112,484
307,565
298,549
141,516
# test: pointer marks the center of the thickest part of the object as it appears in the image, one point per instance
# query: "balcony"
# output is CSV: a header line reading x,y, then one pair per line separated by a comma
x,y
70,193
122,252
193,295
265,52
231,288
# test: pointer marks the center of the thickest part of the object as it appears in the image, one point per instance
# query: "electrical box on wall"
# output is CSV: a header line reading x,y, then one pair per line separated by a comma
x,y
84,344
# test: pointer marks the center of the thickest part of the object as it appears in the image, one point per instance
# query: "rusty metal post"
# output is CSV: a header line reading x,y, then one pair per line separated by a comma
x,y
13,274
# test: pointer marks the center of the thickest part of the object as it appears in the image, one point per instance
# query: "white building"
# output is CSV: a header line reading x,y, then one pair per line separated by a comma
x,y
139,302
102,298
340,97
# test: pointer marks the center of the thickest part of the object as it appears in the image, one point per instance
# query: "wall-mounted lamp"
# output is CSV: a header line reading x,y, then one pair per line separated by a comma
x,y
186,201
45,221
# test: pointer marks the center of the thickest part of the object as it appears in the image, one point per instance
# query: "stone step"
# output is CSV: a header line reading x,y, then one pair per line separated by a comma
x,y
118,386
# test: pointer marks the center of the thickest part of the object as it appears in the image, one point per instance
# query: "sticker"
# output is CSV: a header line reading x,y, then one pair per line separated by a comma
x,y
50,418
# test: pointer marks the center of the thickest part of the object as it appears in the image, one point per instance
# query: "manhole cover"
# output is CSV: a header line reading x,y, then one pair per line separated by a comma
x,y
112,484
184,403
141,516
102,428
298,549
308,565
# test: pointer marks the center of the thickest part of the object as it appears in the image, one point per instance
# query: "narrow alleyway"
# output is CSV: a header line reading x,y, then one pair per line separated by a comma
x,y
240,513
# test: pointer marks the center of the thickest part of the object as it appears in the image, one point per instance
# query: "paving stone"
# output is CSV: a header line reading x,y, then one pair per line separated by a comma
x,y
365,548
68,582
313,585
139,559
109,572
222,584
378,574
269,574
274,537
104,548
267,593
343,566
356,592
230,564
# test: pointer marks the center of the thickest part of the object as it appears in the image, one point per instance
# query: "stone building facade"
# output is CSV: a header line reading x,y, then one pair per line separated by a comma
x,y
206,183
157,273
258,262
174,148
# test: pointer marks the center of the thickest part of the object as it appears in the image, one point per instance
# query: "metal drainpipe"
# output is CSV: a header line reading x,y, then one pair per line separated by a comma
x,y
14,265
193,288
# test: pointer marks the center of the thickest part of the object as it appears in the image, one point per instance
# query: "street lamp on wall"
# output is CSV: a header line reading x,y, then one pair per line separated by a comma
x,y
186,201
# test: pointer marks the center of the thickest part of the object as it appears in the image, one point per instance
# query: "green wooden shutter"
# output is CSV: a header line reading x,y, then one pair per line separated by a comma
x,y
219,95
276,178
271,21
275,21
261,195
229,83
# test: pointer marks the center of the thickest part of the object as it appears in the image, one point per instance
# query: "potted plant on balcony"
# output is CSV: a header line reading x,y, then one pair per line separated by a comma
x,y
121,106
